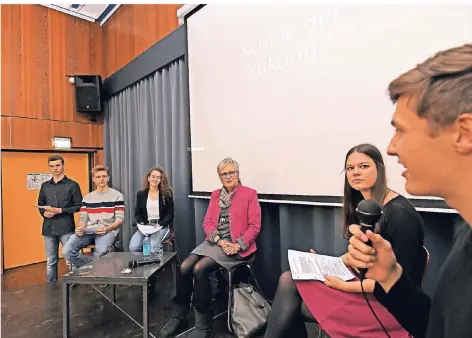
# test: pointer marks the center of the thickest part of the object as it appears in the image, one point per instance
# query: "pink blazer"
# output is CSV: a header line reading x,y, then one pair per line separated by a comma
x,y
244,218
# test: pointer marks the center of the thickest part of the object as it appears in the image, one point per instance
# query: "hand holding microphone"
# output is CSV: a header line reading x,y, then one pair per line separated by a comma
x,y
368,213
371,251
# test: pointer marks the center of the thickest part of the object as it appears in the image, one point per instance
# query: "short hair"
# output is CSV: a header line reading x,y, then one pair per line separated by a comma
x,y
441,86
225,162
98,168
55,158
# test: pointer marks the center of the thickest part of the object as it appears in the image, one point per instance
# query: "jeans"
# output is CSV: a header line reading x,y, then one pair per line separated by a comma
x,y
136,242
51,245
71,251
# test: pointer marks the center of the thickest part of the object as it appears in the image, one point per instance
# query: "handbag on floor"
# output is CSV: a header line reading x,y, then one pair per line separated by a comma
x,y
249,311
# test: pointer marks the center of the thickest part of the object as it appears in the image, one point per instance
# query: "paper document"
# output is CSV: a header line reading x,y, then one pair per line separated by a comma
x,y
45,207
148,229
308,266
91,229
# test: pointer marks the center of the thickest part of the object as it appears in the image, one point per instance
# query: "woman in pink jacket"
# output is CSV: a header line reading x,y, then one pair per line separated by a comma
x,y
232,223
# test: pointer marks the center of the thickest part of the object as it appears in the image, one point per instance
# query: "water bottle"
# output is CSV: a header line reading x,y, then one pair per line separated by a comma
x,y
147,247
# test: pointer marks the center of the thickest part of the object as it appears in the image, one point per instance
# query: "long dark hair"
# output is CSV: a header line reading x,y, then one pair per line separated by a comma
x,y
352,197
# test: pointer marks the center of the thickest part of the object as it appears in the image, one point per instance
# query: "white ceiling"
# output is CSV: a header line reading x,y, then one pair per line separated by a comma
x,y
90,12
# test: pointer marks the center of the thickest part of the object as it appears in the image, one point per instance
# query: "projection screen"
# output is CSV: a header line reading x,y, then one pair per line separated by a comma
x,y
287,90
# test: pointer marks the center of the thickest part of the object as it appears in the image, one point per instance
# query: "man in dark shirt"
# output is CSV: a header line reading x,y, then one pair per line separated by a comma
x,y
433,141
58,199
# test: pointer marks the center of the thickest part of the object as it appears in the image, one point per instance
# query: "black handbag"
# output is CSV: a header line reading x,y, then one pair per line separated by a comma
x,y
249,311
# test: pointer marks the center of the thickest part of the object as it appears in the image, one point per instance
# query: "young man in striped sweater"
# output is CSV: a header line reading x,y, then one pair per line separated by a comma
x,y
101,214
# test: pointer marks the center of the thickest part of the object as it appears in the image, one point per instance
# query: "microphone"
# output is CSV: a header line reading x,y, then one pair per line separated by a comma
x,y
368,213
135,264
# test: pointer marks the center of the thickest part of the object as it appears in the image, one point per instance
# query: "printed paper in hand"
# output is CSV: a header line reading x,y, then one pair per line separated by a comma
x,y
308,266
45,207
148,229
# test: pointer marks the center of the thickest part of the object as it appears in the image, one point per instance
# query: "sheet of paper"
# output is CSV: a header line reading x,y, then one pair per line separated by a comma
x,y
90,230
45,207
148,229
308,266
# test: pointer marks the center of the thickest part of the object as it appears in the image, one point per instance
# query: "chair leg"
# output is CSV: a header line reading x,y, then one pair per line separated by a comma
x,y
230,293
69,265
176,249
175,271
255,280
230,300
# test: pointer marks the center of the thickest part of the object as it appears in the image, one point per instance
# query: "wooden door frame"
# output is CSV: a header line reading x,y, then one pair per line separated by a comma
x,y
91,162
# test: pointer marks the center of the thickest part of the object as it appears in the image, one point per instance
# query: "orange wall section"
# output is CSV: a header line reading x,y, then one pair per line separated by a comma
x,y
23,243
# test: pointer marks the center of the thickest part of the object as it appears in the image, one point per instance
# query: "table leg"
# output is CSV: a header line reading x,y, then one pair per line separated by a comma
x,y
65,310
174,276
114,293
145,311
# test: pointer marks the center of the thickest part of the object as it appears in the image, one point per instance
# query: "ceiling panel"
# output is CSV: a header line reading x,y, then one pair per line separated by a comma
x,y
91,12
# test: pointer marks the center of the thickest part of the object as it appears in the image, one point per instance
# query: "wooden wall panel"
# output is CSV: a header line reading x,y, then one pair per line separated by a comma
x,y
134,28
11,59
36,134
99,158
40,46
6,131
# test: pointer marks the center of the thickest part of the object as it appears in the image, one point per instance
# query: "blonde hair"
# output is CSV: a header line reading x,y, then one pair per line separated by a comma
x,y
98,168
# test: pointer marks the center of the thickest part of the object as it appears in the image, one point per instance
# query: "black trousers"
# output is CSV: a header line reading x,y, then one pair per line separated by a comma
x,y
195,271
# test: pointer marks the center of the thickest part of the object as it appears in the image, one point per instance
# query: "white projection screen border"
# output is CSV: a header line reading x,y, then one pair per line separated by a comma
x,y
245,116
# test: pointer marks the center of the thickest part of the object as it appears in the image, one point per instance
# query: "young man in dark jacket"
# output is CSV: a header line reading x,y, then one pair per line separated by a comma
x,y
59,198
433,141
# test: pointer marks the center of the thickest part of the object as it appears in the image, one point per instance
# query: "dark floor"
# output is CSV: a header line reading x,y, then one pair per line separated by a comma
x,y
34,274
32,308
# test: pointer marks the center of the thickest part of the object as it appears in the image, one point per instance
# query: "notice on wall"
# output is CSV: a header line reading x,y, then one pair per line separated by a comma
x,y
34,181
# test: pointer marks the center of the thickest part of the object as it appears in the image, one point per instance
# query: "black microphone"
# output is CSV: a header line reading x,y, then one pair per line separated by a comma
x,y
368,213
135,264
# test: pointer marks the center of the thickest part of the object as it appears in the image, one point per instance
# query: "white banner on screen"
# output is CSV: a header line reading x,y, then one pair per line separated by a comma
x,y
288,90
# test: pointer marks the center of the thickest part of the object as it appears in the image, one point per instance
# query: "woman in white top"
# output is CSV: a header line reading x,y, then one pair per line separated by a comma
x,y
154,206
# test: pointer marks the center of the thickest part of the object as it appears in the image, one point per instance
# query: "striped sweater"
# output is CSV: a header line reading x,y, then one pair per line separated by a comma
x,y
102,207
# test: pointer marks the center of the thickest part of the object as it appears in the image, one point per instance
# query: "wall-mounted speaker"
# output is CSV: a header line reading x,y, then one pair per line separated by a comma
x,y
88,93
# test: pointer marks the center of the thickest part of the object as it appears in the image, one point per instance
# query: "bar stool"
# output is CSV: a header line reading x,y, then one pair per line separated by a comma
x,y
231,273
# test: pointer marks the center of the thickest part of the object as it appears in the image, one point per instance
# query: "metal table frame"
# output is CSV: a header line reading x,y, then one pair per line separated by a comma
x,y
71,278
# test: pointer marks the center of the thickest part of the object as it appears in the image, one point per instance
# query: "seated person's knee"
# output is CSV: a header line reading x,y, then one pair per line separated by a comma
x,y
201,271
134,248
99,252
286,280
197,270
67,251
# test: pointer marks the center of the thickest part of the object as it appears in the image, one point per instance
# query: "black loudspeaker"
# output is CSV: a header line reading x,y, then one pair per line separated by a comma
x,y
88,93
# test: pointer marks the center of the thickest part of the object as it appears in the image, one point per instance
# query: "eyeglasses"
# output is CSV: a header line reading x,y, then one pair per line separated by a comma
x,y
229,174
